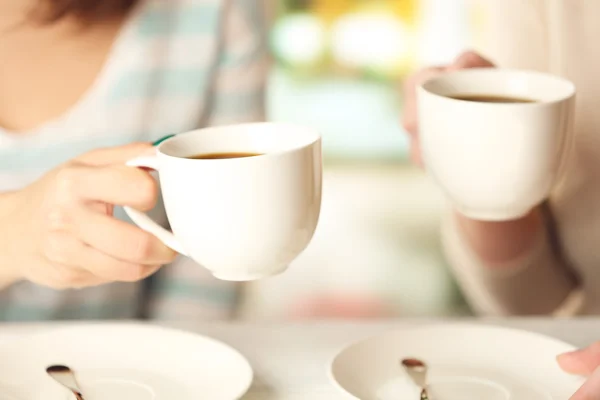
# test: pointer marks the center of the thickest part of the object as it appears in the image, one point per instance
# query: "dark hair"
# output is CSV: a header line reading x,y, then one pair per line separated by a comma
x,y
86,10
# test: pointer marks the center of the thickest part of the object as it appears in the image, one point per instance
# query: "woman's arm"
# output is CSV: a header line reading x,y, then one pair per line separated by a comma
x,y
508,268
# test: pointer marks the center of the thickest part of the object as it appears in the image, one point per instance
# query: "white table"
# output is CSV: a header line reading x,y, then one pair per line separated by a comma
x,y
291,360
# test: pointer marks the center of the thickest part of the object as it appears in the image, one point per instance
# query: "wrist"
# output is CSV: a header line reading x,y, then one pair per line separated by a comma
x,y
498,242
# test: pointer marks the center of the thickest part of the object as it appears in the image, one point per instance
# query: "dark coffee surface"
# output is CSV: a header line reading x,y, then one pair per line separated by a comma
x,y
216,156
482,98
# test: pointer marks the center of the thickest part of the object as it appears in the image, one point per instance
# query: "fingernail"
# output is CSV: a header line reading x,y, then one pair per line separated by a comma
x,y
162,139
572,362
569,356
571,353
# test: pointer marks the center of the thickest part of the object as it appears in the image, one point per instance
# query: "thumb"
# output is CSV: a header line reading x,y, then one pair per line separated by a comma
x,y
116,155
590,389
581,362
470,59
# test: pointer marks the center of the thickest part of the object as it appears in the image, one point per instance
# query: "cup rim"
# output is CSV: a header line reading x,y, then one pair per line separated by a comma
x,y
568,87
316,137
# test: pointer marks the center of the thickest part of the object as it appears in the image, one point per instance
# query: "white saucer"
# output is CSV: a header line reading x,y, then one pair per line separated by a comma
x,y
466,362
124,362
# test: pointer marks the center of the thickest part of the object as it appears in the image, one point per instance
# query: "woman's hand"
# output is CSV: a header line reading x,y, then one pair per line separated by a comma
x,y
410,121
59,231
494,242
584,362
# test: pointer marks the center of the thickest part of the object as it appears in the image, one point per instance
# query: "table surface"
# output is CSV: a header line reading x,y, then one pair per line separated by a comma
x,y
291,360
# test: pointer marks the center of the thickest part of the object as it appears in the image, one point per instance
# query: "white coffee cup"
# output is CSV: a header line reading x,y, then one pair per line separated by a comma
x,y
241,218
495,161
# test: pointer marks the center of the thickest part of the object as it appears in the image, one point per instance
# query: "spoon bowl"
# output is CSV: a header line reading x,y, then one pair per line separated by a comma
x,y
417,370
65,376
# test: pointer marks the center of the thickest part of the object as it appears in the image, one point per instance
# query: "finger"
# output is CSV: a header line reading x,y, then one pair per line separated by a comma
x,y
66,277
93,266
581,362
57,250
590,389
116,155
119,185
59,276
109,268
120,239
470,59
467,59
409,116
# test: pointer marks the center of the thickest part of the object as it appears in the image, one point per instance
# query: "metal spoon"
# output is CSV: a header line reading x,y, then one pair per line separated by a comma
x,y
63,375
417,370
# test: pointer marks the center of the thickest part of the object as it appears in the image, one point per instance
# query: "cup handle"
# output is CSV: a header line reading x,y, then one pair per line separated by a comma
x,y
145,222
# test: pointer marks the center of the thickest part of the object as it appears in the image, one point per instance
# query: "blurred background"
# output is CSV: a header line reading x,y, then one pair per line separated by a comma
x,y
340,66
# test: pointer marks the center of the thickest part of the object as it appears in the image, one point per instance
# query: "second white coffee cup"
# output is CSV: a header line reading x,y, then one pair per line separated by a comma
x,y
495,161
